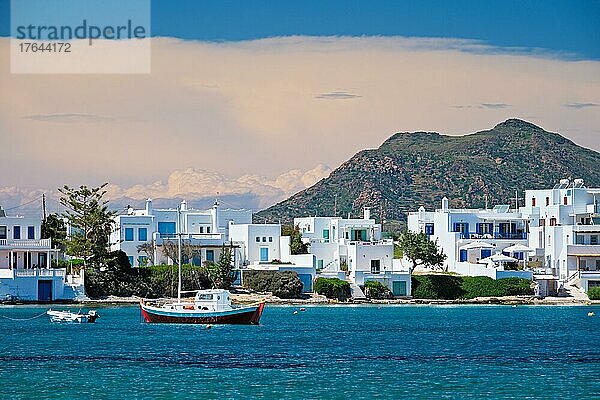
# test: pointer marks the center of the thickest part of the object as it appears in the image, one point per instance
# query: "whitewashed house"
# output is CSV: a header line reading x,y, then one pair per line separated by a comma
x,y
468,236
261,247
206,228
565,225
355,246
25,261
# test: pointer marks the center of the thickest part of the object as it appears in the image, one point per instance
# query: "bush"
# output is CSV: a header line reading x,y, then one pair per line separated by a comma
x,y
333,288
446,287
150,282
283,284
594,293
467,287
377,290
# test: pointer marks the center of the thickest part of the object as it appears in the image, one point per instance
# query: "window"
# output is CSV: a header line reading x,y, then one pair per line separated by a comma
x,y
270,239
166,229
130,260
429,230
208,229
258,239
552,221
485,253
485,228
129,235
30,232
16,232
566,200
326,234
264,239
533,202
597,265
320,264
579,239
461,227
375,266
142,261
201,229
594,240
142,234
462,256
542,222
2,232
547,201
210,255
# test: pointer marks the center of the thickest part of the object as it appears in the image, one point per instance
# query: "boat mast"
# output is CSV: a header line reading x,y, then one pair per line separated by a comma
x,y
179,253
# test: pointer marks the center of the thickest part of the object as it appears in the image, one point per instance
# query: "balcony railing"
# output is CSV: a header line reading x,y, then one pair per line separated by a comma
x,y
26,243
40,272
495,235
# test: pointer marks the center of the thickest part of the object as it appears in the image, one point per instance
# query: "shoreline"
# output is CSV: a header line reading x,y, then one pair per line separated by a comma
x,y
318,300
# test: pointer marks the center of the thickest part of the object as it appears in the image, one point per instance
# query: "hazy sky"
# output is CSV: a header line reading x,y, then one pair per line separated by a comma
x,y
257,88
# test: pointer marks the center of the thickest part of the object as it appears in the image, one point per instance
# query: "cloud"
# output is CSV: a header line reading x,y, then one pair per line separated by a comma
x,y
67,118
252,108
337,95
494,106
581,105
195,185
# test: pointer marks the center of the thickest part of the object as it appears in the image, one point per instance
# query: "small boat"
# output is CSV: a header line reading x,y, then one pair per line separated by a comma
x,y
68,316
212,306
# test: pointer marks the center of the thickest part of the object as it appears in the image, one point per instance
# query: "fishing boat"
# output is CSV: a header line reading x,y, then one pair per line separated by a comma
x,y
212,306
68,316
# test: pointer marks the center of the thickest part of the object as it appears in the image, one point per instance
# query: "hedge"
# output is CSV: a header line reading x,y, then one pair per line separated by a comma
x,y
449,287
333,288
594,293
377,290
283,284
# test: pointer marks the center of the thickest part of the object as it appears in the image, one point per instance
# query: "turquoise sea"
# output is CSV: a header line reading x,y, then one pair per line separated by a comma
x,y
386,352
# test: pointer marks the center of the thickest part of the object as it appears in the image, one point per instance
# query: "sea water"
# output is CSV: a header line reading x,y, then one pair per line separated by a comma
x,y
325,352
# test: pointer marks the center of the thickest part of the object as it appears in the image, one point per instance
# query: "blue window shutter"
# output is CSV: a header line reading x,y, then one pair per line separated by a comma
x,y
463,255
129,235
485,253
142,234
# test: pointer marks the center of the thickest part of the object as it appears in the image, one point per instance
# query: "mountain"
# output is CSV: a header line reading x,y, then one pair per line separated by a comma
x,y
410,170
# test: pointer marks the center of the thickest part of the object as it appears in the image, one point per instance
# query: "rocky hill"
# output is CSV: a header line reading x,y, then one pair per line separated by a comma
x,y
413,169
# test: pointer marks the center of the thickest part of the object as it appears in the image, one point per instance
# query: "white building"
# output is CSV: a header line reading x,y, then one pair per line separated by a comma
x,y
467,236
261,247
565,223
206,228
25,261
355,246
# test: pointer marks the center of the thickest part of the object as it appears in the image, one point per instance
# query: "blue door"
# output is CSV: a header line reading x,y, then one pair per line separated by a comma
x,y
399,288
44,290
306,280
485,253
463,256
264,254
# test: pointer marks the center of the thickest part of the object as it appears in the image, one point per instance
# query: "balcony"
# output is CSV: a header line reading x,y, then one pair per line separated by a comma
x,y
495,235
583,250
25,244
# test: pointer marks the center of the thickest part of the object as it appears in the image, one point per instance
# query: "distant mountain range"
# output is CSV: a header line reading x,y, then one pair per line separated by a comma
x,y
416,169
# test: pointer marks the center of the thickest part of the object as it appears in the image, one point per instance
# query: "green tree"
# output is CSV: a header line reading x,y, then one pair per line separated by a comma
x,y
54,228
88,214
222,273
297,246
421,251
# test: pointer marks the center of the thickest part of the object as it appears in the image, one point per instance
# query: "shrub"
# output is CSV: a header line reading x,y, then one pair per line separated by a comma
x,y
283,284
377,290
467,287
333,288
594,293
446,287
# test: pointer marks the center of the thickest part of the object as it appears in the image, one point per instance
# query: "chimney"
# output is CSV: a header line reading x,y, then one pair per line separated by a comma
x,y
2,213
183,206
366,213
445,204
129,210
215,217
149,207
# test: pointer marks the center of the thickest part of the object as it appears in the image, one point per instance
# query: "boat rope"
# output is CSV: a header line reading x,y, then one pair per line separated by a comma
x,y
23,319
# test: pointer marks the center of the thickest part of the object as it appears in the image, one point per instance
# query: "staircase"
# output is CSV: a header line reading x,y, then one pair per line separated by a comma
x,y
356,292
74,292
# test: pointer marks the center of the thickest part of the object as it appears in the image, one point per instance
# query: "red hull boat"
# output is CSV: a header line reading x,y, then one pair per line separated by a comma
x,y
208,307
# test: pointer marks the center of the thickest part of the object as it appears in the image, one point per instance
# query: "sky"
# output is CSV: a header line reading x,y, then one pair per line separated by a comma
x,y
266,97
